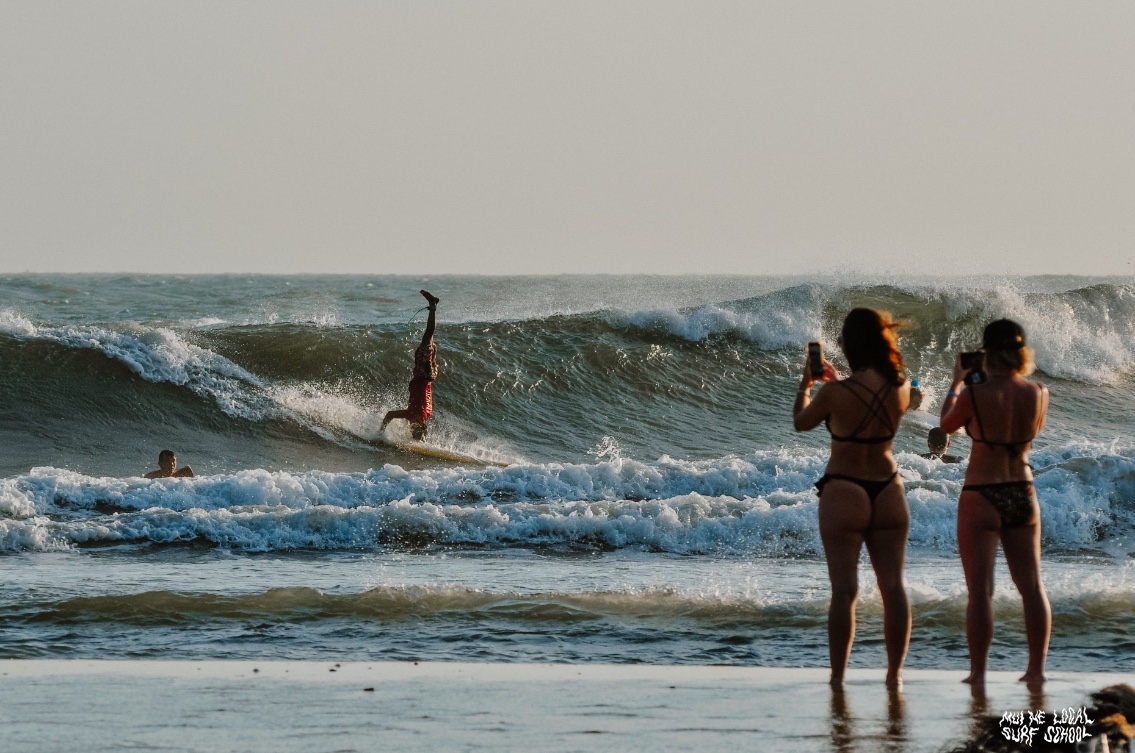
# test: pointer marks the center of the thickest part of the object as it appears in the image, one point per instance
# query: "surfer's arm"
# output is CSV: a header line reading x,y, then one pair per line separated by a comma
x,y
185,472
391,415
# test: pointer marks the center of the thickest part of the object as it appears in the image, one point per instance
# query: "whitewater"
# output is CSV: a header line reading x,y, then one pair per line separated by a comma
x,y
655,507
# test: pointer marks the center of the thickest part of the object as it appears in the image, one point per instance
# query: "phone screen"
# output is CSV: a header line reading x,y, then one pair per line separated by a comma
x,y
816,359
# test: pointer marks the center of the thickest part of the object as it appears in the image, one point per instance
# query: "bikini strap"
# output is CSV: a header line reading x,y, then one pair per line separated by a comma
x,y
1017,449
876,409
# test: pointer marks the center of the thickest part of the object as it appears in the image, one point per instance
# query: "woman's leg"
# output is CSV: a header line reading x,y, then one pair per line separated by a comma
x,y
845,514
978,529
1022,552
886,545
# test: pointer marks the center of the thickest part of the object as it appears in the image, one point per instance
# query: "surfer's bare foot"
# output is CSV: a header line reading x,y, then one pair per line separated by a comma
x,y
433,299
1033,681
975,679
894,681
836,681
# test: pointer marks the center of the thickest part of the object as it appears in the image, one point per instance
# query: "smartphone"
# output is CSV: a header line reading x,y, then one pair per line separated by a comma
x,y
816,359
974,360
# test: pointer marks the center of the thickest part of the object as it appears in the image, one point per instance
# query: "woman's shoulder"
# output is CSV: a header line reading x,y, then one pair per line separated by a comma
x,y
1024,384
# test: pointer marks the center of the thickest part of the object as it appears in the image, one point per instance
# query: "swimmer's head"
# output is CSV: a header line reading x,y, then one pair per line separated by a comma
x,y
418,431
937,440
167,460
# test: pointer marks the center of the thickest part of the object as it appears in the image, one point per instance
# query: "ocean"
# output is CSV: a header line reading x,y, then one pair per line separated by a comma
x,y
654,505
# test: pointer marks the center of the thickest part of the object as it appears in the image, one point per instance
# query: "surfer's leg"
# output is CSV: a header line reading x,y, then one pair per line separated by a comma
x,y
390,416
428,335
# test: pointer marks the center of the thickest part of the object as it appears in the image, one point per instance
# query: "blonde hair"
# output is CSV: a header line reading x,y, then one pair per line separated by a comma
x,y
1005,347
1019,360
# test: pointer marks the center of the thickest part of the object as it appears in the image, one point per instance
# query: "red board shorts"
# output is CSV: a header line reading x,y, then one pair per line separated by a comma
x,y
421,405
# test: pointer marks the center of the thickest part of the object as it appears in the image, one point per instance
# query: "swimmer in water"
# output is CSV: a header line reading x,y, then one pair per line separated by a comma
x,y
939,441
421,404
167,463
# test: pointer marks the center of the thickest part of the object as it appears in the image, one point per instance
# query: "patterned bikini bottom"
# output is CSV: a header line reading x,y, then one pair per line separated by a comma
x,y
1013,500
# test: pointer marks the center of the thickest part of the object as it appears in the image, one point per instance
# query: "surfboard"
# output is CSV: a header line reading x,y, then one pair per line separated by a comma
x,y
421,448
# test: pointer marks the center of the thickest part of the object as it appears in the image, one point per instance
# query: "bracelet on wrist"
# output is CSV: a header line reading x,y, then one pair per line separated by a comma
x,y
951,393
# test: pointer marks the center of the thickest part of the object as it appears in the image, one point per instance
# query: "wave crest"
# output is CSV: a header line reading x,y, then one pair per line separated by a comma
x,y
761,505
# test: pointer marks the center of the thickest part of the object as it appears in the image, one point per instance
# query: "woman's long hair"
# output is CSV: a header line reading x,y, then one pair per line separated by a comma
x,y
869,341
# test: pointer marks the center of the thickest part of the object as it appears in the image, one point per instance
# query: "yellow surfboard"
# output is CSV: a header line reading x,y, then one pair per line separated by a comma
x,y
440,453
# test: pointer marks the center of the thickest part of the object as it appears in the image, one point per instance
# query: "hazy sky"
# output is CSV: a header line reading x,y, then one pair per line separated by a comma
x,y
542,136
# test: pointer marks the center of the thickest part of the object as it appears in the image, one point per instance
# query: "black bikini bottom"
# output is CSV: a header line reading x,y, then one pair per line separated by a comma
x,y
1013,500
873,488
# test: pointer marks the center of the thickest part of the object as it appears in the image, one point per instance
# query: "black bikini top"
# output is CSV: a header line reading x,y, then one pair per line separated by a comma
x,y
1017,449
876,409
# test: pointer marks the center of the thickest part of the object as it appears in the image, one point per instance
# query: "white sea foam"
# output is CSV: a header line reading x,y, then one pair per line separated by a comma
x,y
761,504
770,325
1086,335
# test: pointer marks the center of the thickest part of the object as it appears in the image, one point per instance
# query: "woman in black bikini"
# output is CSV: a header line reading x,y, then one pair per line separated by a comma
x,y
861,494
998,503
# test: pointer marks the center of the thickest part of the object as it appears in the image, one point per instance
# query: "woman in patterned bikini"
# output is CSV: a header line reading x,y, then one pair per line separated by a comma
x,y
1002,415
861,494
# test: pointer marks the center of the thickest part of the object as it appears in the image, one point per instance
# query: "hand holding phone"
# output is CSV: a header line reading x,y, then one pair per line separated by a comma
x,y
973,359
816,359
973,364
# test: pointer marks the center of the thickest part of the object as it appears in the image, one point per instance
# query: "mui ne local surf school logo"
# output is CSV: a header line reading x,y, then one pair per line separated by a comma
x,y
1066,726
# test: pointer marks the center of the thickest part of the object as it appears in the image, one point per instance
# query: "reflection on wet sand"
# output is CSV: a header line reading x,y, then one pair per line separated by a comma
x,y
843,730
843,734
896,736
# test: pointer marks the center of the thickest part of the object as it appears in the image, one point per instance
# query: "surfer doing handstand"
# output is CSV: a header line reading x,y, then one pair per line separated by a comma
x,y
421,405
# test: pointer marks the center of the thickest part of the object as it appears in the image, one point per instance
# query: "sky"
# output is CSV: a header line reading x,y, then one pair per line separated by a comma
x,y
540,136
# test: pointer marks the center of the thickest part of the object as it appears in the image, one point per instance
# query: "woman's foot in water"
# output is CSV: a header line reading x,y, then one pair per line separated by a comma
x,y
976,679
1033,681
433,299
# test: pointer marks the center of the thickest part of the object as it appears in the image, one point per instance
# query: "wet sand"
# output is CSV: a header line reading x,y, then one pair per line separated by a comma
x,y
53,705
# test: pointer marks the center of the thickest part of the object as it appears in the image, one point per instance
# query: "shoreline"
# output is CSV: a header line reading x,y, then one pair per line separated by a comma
x,y
318,705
